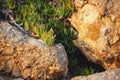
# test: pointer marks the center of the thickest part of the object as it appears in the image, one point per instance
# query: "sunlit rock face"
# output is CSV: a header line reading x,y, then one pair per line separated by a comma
x,y
98,25
24,56
113,74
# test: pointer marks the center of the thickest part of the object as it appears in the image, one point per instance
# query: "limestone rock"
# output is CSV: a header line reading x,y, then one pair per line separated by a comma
x,y
113,74
29,58
98,25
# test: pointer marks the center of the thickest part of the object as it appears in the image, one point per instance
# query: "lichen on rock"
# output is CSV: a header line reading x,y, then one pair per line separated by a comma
x,y
29,58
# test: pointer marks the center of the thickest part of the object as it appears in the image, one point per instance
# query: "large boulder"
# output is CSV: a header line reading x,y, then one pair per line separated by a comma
x,y
29,58
113,74
98,25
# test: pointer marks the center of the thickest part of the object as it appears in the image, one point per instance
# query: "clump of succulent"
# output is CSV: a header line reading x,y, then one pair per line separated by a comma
x,y
86,71
10,4
39,31
50,38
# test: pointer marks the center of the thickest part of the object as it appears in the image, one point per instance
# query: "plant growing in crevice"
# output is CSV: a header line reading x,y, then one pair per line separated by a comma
x,y
39,31
48,37
10,4
75,70
86,71
73,67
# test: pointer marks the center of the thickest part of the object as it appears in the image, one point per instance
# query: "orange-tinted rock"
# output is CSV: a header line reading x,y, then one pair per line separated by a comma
x,y
98,26
29,58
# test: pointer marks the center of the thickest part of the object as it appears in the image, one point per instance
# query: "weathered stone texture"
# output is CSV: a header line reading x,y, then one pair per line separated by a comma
x,y
26,57
113,74
98,26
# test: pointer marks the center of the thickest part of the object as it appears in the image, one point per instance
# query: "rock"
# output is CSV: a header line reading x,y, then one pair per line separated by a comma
x,y
8,78
29,58
113,74
98,25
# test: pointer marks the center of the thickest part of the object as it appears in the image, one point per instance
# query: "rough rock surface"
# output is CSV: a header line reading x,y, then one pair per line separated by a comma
x,y
98,25
8,78
29,58
113,74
